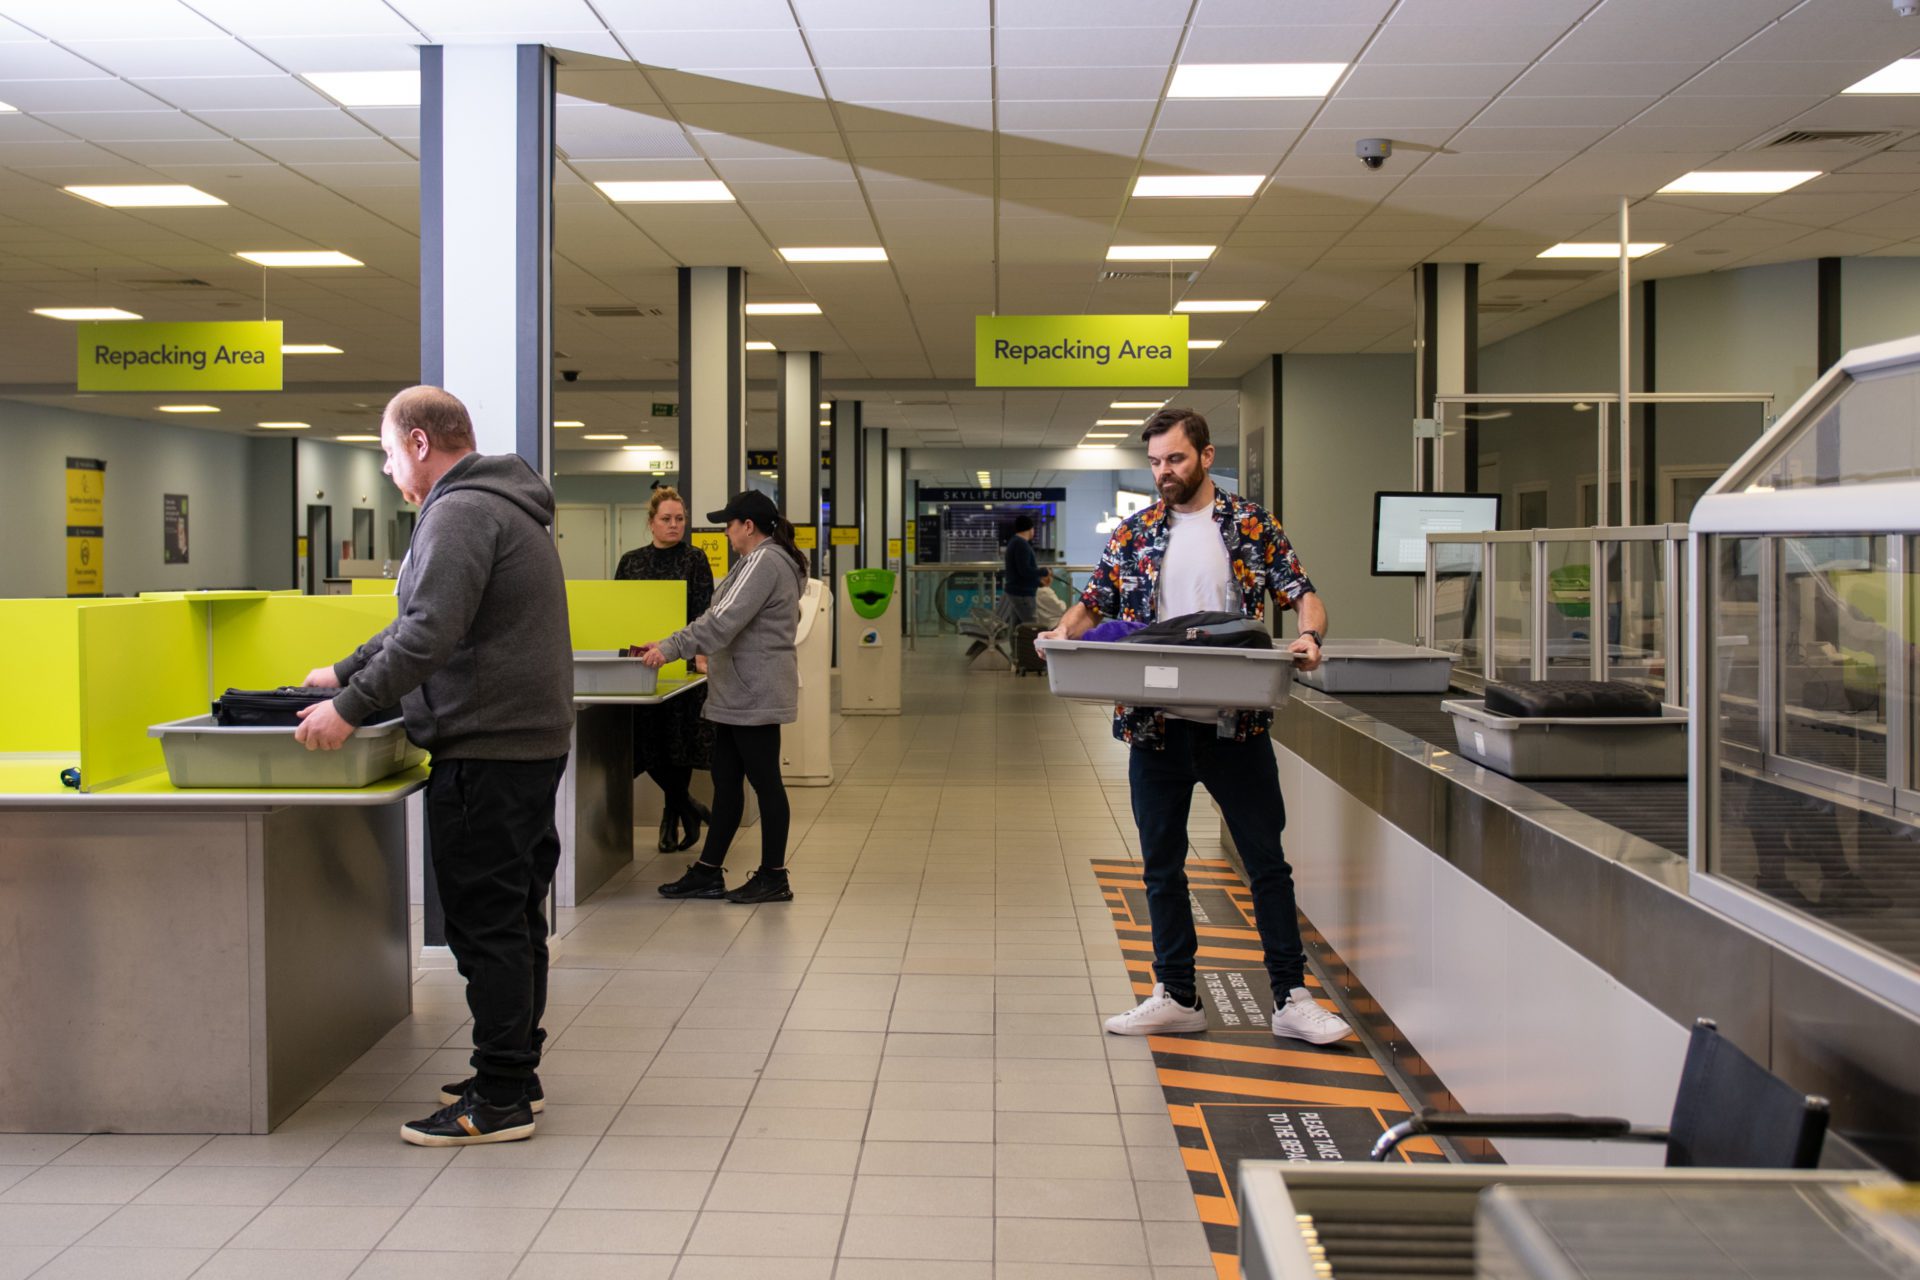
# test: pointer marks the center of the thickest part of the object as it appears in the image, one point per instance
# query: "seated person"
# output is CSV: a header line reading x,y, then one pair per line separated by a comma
x,y
1049,608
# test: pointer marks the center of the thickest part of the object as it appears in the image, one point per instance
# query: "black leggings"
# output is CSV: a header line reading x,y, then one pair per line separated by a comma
x,y
744,753
674,781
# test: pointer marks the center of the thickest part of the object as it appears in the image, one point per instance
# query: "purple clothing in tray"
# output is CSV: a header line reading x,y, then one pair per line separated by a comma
x,y
1114,629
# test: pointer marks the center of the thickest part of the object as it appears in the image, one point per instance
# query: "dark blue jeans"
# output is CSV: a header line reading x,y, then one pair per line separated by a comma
x,y
1245,782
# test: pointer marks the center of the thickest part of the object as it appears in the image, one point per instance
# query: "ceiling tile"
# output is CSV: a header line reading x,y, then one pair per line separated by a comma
x,y
1012,14
1275,44
323,122
1288,114
1420,44
826,14
1031,84
129,19
109,126
1602,79
671,15
446,19
954,47
75,95
777,48
330,53
1541,113
1086,47
229,93
924,84
145,59
1391,114
1075,115
1381,80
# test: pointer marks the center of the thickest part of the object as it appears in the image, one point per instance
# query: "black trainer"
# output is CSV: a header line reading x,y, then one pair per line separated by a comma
x,y
700,881
469,1122
764,886
452,1093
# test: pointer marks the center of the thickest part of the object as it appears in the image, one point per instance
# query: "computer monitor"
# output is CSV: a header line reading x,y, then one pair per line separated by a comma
x,y
1402,521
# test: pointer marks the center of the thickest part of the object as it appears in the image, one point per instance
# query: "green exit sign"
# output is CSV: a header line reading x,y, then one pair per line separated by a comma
x,y
661,410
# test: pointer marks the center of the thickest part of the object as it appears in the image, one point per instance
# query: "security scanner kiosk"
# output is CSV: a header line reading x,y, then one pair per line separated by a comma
x,y
806,751
870,670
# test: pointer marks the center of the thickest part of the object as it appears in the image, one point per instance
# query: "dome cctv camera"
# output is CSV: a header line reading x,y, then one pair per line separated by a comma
x,y
1906,8
1373,152
571,375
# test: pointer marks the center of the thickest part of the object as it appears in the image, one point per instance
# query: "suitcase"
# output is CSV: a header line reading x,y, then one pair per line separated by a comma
x,y
1026,658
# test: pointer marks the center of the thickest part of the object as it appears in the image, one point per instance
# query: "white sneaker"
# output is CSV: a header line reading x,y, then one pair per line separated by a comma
x,y
1302,1018
1158,1015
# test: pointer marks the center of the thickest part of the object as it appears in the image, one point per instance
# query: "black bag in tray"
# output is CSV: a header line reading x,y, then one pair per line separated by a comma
x,y
1212,630
1543,699
277,708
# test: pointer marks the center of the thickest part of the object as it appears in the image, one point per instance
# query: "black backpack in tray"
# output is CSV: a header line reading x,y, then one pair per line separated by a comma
x,y
277,708
1210,630
1547,699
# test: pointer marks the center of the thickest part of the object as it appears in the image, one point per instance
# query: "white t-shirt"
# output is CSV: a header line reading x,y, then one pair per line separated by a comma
x,y
1195,575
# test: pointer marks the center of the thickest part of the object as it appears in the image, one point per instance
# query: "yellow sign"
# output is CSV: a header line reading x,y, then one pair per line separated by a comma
x,y
181,355
806,537
86,526
714,543
893,548
844,536
1080,351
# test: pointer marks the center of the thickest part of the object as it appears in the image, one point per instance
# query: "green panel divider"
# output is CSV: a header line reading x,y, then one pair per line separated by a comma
x,y
40,698
141,663
268,641
615,614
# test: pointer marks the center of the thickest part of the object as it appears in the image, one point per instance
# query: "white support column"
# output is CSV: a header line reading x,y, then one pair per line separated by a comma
x,y
799,401
873,499
1447,322
486,240
847,490
896,505
713,387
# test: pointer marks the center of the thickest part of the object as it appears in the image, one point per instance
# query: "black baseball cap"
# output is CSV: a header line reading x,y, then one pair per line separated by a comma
x,y
749,505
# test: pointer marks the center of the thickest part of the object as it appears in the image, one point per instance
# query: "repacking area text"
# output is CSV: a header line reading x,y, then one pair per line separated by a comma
x,y
1100,353
189,357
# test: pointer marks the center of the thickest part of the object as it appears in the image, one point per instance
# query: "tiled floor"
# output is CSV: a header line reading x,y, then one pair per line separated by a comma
x,y
899,1074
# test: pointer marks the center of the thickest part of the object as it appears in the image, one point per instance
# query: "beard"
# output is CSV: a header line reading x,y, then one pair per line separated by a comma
x,y
1178,490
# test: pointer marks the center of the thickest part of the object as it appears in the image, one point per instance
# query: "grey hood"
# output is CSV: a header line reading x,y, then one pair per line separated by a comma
x,y
505,475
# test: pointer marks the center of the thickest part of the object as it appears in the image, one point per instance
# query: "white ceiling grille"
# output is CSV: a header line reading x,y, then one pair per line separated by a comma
x,y
1834,139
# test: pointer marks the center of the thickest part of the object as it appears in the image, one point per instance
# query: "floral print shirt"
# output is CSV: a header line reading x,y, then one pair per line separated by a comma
x,y
1123,586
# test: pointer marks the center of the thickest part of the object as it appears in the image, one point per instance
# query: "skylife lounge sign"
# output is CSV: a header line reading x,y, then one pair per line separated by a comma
x,y
1080,351
185,355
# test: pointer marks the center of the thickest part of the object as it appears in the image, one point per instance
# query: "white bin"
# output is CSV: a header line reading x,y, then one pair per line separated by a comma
x,y
604,671
1571,746
200,753
1177,677
1379,666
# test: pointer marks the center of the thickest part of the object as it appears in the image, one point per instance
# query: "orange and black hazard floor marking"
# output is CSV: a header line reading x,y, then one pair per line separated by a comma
x,y
1235,1091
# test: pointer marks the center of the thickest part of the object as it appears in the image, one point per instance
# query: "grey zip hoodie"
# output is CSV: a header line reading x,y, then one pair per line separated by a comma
x,y
747,634
480,658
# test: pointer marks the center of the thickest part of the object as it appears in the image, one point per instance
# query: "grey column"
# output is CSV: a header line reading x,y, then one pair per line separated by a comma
x,y
873,500
799,397
1447,341
486,240
713,387
848,487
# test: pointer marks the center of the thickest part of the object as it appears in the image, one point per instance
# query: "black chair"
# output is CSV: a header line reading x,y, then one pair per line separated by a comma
x,y
1730,1113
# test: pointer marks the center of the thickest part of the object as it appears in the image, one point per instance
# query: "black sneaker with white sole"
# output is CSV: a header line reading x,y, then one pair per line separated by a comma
x,y
470,1122
763,886
452,1093
701,880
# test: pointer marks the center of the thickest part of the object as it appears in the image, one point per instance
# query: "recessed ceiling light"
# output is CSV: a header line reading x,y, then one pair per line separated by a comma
x,y
367,88
834,255
1203,306
1255,79
283,426
300,258
1203,344
783,308
1899,77
1734,182
358,439
604,437
1160,252
666,192
569,422
309,349
85,313
1600,249
760,346
165,196
188,408
1118,422
1096,446
1106,435
825,405
6,107
826,422
1197,186
643,448
1136,404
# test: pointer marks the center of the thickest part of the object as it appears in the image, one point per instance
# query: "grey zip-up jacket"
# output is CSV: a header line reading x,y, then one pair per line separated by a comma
x,y
480,658
747,634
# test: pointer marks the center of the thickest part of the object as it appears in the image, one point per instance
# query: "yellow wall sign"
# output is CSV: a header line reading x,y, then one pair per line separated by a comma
x,y
185,355
806,537
845,536
714,543
893,548
86,527
1080,351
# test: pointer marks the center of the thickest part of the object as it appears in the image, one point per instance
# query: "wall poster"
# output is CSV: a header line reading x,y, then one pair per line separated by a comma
x,y
86,526
173,528
1253,468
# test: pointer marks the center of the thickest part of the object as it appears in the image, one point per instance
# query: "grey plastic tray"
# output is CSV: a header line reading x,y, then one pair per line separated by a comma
x,y
1177,677
1379,666
1572,747
605,671
201,753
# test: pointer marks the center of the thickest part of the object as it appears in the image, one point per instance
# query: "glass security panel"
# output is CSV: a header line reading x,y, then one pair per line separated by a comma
x,y
1832,627
1636,615
1458,579
1513,611
1871,433
1736,639
1537,457
1569,610
1680,450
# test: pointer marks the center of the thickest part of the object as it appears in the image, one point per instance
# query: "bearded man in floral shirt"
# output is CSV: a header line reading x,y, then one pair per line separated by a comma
x,y
1199,549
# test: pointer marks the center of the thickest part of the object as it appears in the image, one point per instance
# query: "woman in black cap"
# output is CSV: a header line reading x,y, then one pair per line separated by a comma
x,y
753,687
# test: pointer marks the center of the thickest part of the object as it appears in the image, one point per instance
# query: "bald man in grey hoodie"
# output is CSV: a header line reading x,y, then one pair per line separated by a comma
x,y
481,662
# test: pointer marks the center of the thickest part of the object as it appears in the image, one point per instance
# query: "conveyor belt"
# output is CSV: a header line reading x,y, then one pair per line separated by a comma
x,y
1851,869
